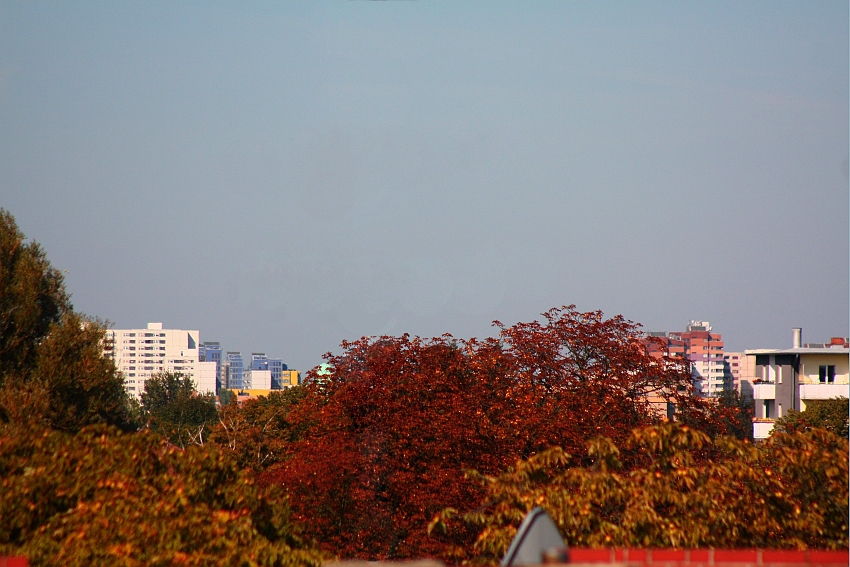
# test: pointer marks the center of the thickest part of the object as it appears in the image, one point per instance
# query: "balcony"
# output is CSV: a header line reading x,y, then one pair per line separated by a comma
x,y
824,391
762,428
764,391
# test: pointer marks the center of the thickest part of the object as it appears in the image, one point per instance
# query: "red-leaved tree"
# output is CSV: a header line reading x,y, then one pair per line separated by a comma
x,y
390,431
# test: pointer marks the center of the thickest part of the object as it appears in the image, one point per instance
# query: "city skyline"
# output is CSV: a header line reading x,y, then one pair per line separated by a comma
x,y
284,178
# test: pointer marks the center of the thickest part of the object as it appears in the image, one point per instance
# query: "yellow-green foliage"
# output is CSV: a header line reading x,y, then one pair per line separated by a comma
x,y
831,415
101,497
789,492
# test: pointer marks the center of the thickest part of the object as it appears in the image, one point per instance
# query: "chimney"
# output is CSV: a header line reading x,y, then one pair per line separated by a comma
x,y
797,334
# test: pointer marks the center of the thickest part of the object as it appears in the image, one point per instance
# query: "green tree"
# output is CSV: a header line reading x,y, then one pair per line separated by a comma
x,y
226,397
52,368
32,298
172,407
831,415
258,432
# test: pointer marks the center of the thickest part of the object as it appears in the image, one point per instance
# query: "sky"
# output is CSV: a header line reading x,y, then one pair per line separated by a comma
x,y
286,176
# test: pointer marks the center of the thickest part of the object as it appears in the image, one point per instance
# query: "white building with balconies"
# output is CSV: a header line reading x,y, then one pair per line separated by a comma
x,y
139,353
785,379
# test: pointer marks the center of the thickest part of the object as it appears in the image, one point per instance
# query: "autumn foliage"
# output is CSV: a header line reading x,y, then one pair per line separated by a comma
x,y
790,492
402,447
79,485
102,497
389,434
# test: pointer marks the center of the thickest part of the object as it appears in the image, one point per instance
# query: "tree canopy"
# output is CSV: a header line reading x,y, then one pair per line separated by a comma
x,y
391,425
397,447
32,298
170,405
102,497
258,433
75,489
789,492
52,368
832,415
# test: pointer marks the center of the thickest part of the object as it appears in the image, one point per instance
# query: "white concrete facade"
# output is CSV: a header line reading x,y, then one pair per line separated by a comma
x,y
257,379
709,376
206,377
785,379
140,353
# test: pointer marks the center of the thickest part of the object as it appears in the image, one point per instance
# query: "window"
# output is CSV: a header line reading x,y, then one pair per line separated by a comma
x,y
826,374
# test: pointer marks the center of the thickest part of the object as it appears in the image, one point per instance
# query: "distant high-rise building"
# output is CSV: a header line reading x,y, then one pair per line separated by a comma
x,y
211,352
234,377
703,349
259,361
140,353
741,370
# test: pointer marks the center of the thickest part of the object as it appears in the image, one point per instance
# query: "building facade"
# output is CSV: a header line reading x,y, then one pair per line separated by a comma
x,y
234,370
289,378
211,352
703,349
257,379
259,361
140,353
785,379
741,370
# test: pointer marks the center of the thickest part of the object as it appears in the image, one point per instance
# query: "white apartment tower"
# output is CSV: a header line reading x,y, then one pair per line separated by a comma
x,y
139,353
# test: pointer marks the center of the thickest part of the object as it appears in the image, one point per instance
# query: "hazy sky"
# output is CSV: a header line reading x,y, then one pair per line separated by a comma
x,y
287,175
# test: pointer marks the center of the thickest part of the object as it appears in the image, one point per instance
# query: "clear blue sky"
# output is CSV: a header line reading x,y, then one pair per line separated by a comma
x,y
286,175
